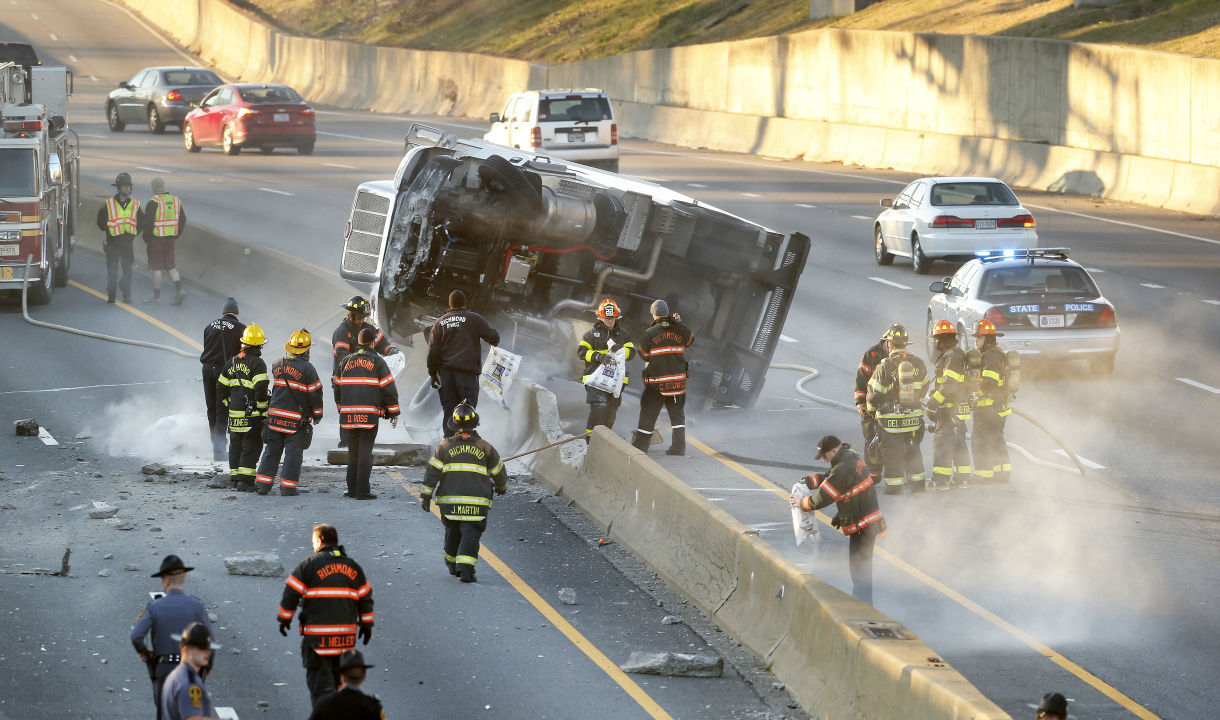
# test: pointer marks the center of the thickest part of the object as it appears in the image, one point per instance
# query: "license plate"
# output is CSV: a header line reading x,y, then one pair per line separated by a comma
x,y
283,117
1050,321
576,137
984,224
10,250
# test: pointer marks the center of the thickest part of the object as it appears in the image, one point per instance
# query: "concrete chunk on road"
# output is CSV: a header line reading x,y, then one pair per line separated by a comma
x,y
258,564
397,454
567,596
674,664
153,469
102,511
27,427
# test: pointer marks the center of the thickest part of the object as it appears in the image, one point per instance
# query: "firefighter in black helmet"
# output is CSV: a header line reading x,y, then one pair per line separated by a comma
x,y
894,395
344,341
462,475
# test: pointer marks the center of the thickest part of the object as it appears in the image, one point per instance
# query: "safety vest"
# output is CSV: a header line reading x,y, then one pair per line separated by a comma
x,y
120,220
168,210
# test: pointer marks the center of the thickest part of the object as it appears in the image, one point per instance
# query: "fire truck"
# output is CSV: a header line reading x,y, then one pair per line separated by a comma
x,y
39,179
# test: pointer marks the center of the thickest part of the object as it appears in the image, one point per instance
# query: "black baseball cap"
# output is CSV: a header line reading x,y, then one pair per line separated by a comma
x,y
171,564
197,636
826,444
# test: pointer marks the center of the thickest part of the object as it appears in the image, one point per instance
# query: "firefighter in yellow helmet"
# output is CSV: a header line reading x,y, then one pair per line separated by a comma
x,y
243,388
894,395
296,405
991,463
597,348
948,404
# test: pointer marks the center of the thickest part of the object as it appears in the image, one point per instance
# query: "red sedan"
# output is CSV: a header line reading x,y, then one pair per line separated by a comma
x,y
250,115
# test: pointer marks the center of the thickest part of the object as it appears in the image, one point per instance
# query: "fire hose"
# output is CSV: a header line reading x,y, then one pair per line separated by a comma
x,y
813,373
544,447
25,312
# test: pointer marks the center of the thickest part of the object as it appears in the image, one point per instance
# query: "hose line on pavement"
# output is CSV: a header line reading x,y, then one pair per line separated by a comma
x,y
25,312
813,373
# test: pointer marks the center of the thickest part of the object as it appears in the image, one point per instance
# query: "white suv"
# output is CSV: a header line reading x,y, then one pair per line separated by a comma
x,y
573,125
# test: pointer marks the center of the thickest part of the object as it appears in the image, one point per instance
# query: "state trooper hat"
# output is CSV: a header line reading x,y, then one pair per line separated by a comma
x,y
122,179
197,636
1053,704
171,564
352,659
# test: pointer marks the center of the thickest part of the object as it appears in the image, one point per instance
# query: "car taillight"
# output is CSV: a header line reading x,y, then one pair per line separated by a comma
x,y
1107,318
307,111
536,137
173,95
996,317
614,134
242,112
1020,221
950,221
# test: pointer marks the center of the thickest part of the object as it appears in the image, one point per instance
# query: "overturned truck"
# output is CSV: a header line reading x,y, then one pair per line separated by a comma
x,y
539,242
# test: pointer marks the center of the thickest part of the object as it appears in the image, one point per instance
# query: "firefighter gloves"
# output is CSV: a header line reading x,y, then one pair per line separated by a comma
x,y
284,625
436,384
426,504
604,358
366,633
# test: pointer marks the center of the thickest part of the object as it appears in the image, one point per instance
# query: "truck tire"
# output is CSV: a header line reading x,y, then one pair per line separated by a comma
x,y
61,268
40,293
500,171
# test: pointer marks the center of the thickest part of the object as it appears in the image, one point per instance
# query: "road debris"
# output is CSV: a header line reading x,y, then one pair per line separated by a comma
x,y
103,510
257,564
674,664
27,427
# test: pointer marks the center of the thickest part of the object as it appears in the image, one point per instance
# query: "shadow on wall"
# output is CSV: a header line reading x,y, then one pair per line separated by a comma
x,y
1079,182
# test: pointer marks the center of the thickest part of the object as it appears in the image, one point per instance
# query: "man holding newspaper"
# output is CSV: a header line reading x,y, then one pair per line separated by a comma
x,y
605,350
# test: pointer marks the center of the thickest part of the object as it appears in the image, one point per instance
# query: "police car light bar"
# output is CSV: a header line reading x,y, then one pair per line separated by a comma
x,y
1009,253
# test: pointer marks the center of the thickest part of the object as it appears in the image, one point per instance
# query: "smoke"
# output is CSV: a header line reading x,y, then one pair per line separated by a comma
x,y
169,426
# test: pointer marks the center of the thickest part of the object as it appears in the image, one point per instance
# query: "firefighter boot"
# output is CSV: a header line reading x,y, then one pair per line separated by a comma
x,y
678,446
466,574
286,491
245,483
452,567
640,440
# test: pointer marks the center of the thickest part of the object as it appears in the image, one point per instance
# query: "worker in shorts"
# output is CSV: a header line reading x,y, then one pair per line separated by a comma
x,y
163,220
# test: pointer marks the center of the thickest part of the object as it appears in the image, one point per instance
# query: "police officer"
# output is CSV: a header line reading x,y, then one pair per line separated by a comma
x,y
350,702
992,409
296,402
461,476
367,393
1054,706
164,221
242,388
336,605
894,394
185,697
161,618
949,407
221,341
594,350
868,423
344,340
454,356
858,515
663,347
120,218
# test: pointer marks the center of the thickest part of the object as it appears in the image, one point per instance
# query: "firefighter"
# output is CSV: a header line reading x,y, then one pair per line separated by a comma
x,y
461,476
991,462
161,618
594,351
243,388
367,393
454,356
850,485
343,341
664,348
336,605
296,405
894,394
868,422
948,405
120,218
221,341
164,221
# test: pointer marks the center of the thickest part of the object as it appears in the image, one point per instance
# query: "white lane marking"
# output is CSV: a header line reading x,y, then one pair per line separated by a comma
x,y
785,338
1137,226
357,137
277,192
696,185
1200,385
404,118
1083,460
191,59
93,78
46,437
152,169
751,194
1212,302
883,281
84,387
1154,286
861,217
804,205
84,134
72,58
54,37
341,165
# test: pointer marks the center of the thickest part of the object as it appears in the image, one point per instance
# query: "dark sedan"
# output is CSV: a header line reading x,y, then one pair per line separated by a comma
x,y
249,115
158,96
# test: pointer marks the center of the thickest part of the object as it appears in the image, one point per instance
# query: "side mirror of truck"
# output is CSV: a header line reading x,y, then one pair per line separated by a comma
x,y
495,117
55,169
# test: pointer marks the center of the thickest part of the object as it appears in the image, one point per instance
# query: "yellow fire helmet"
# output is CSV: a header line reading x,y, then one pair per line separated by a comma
x,y
253,335
298,342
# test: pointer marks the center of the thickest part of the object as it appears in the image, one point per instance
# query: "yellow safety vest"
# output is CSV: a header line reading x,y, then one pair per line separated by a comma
x,y
168,209
120,220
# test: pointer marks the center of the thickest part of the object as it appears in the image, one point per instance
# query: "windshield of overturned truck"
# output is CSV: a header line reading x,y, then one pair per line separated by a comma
x,y
18,172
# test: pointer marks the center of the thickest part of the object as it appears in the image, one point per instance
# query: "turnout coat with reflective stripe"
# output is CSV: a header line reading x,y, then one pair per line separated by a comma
x,y
664,347
335,599
343,340
872,358
366,391
243,383
949,387
461,475
296,393
850,486
597,340
993,390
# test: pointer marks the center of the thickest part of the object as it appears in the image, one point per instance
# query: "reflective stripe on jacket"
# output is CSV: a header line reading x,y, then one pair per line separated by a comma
x,y
343,340
169,209
883,387
367,391
244,388
597,340
461,476
664,347
335,600
864,372
122,220
949,387
851,488
296,393
993,393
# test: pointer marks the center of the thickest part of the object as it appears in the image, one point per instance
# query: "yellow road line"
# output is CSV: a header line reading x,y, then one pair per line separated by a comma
x,y
1097,683
573,635
142,315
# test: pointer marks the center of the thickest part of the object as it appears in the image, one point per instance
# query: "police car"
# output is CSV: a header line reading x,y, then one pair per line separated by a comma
x,y
1047,306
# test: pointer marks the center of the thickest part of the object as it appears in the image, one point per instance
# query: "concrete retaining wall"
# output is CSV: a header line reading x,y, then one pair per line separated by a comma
x,y
822,643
